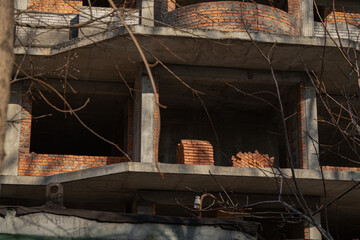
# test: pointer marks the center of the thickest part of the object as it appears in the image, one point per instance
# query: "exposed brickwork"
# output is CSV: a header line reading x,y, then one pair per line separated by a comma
x,y
343,17
306,231
195,152
130,123
59,6
171,5
156,124
341,169
33,164
50,164
233,16
294,10
301,117
252,160
25,130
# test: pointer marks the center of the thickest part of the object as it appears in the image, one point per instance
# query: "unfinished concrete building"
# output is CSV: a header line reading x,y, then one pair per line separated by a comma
x,y
77,55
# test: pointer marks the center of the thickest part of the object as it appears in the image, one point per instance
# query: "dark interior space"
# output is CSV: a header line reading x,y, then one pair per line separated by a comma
x,y
105,3
53,132
338,148
238,122
322,13
96,3
275,229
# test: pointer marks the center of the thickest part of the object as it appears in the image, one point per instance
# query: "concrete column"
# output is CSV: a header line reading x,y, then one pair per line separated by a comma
x,y
147,12
309,128
307,18
12,134
20,5
310,231
144,120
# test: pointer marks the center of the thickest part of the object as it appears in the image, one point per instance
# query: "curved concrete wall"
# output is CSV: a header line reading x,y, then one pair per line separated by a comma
x,y
233,16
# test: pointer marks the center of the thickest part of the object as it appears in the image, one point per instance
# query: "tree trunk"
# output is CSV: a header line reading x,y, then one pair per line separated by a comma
x,y
6,62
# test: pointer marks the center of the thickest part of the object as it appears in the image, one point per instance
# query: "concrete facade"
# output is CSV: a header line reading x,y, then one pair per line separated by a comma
x,y
58,226
216,88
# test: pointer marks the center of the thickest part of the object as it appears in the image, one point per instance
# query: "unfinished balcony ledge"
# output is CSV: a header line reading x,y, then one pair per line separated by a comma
x,y
168,32
177,171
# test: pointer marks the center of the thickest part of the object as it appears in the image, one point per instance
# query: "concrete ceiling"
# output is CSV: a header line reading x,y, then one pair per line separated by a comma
x,y
91,62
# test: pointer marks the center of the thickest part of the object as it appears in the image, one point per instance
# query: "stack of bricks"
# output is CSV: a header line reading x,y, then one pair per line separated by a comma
x,y
195,152
252,160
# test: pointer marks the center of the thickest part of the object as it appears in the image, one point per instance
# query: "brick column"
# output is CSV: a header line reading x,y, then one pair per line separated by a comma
x,y
303,12
146,121
25,134
294,9
309,141
310,231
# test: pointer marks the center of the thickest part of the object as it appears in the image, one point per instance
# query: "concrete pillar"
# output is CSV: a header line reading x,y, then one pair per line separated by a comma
x,y
310,231
12,134
147,12
20,4
309,128
307,18
144,120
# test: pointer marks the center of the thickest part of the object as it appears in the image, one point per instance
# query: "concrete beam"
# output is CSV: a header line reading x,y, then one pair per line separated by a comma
x,y
307,18
113,88
237,75
144,120
12,134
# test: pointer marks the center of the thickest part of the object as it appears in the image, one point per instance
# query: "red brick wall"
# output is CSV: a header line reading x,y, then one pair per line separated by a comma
x,y
171,5
33,164
343,17
60,6
130,123
195,152
25,132
229,16
50,164
301,117
156,124
252,160
341,169
306,231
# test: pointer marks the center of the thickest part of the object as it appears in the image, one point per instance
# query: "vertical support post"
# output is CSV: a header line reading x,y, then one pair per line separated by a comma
x,y
307,18
148,12
12,133
20,5
144,120
309,158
